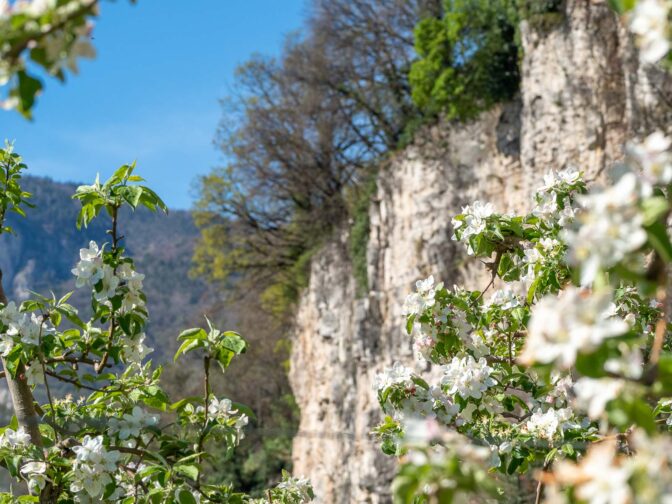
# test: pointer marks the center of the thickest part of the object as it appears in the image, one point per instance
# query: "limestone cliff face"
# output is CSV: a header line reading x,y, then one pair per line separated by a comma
x,y
583,94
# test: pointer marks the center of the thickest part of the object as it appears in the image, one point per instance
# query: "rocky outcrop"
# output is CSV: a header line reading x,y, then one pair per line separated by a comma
x,y
583,94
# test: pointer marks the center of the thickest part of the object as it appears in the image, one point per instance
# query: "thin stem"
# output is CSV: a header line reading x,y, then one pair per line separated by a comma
x,y
493,267
74,382
661,325
40,356
113,320
206,397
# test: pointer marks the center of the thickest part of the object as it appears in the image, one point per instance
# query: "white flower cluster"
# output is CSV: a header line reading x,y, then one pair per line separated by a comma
x,y
610,227
561,327
556,185
417,302
397,374
93,468
33,8
131,425
299,487
505,299
22,328
471,222
653,158
222,410
550,424
605,475
35,473
534,257
15,438
649,22
104,280
467,377
592,395
134,349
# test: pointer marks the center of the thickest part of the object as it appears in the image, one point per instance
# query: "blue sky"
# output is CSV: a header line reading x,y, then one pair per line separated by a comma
x,y
152,94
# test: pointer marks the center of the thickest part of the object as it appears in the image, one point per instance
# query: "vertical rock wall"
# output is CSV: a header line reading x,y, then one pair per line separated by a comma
x,y
582,95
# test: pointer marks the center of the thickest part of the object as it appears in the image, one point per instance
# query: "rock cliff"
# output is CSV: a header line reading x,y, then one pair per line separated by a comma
x,y
583,93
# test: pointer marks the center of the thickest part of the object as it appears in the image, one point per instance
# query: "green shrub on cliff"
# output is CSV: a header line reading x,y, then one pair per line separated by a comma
x,y
469,57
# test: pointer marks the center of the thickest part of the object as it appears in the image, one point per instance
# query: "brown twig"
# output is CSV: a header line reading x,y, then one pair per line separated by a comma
x,y
493,267
661,325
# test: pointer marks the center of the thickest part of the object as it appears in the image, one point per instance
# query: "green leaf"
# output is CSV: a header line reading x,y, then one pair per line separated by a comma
x,y
187,400
234,342
132,195
187,346
190,471
185,497
194,333
27,90
409,323
659,240
653,208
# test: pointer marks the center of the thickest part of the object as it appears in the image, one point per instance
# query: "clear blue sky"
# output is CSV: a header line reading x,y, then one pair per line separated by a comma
x,y
152,94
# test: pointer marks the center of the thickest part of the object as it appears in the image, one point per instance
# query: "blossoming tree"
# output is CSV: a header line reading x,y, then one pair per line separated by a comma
x,y
124,440
557,386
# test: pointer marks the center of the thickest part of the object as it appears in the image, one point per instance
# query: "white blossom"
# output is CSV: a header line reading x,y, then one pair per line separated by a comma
x,y
89,270
13,439
649,23
131,424
417,302
397,374
421,430
34,8
472,221
448,408
599,479
467,377
592,395
506,299
35,472
562,387
93,466
34,374
135,349
299,486
653,157
610,226
629,364
548,425
574,322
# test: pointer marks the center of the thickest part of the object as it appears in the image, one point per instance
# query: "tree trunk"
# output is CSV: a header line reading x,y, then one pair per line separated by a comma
x,y
22,395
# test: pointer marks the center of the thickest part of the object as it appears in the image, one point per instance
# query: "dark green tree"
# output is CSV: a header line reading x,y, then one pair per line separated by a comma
x,y
468,58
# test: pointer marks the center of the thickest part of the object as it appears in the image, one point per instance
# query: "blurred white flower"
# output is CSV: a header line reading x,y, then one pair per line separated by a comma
x,y
598,479
563,326
609,227
592,395
506,299
649,22
653,157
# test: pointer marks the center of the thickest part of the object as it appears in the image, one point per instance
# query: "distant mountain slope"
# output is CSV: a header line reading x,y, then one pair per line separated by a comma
x,y
47,243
